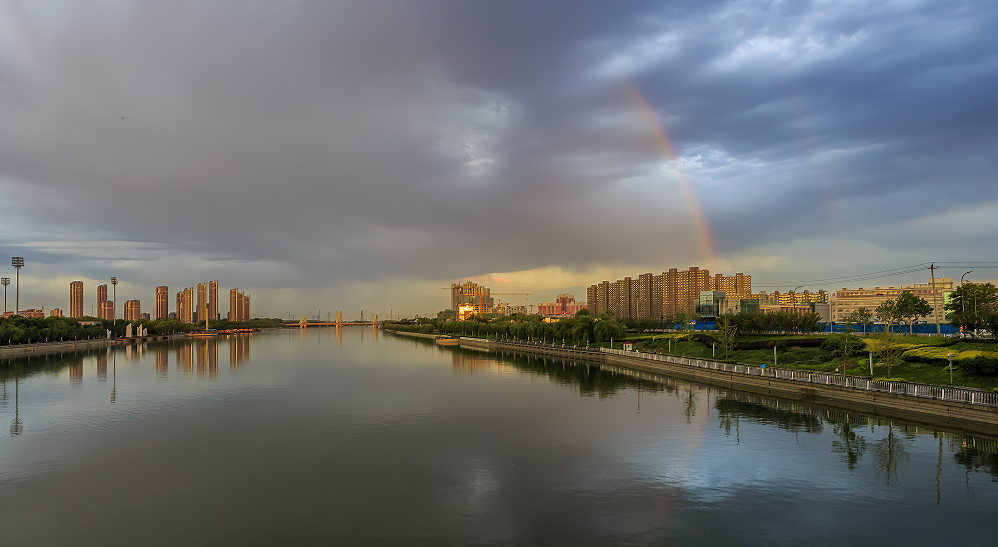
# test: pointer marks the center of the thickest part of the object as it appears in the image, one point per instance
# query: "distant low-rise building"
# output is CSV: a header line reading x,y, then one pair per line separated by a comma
x,y
55,312
845,301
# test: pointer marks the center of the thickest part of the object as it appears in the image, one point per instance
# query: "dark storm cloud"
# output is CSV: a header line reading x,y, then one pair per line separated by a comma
x,y
443,138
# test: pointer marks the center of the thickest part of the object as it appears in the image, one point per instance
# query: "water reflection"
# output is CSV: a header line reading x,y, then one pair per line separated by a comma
x,y
239,349
162,362
102,365
888,450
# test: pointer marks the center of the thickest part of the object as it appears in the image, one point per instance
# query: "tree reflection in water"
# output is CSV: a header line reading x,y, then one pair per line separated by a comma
x,y
889,454
849,443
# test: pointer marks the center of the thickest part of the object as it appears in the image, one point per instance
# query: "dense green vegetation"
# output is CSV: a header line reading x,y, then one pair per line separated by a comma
x,y
24,330
915,358
974,306
582,329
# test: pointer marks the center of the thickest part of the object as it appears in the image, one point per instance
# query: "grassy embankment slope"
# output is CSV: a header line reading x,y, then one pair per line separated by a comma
x,y
924,359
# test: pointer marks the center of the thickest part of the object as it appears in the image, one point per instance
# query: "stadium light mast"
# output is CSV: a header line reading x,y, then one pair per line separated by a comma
x,y
18,263
114,295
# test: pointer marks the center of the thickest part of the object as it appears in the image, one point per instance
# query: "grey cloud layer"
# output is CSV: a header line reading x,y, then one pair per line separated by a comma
x,y
354,140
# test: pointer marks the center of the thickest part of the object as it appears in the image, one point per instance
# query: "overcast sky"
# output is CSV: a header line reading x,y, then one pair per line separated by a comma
x,y
364,154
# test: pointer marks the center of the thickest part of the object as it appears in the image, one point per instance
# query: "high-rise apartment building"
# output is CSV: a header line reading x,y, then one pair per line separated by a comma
x,y
213,300
185,305
233,293
202,309
662,296
239,305
133,310
162,310
101,299
107,310
76,299
471,294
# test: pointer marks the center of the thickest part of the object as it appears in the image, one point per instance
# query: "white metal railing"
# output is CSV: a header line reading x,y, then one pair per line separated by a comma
x,y
910,389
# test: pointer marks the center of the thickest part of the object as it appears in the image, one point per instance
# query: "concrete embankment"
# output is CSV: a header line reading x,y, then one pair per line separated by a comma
x,y
50,348
981,418
972,417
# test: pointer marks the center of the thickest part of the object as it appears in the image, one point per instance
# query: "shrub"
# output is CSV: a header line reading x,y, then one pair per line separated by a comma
x,y
980,364
836,344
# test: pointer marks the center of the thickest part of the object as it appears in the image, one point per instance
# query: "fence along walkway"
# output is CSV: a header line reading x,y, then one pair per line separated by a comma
x,y
910,389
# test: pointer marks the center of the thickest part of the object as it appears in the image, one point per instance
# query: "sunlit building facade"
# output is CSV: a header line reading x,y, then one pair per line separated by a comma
x,y
845,302
162,309
662,296
133,310
101,300
76,299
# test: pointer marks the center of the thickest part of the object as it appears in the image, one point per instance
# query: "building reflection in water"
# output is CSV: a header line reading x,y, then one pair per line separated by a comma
x,y
239,349
134,352
76,372
461,363
201,349
162,362
185,359
212,348
102,365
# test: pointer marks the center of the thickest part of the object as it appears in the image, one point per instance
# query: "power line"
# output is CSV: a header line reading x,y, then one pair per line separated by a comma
x,y
904,270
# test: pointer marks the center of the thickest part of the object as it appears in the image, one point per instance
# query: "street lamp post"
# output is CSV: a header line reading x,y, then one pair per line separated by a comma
x,y
793,296
114,296
5,281
18,263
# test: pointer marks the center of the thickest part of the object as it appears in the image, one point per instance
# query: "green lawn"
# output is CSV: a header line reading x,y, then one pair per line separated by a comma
x,y
818,359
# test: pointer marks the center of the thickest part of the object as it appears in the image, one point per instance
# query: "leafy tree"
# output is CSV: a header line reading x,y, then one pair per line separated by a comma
x,y
607,328
862,316
888,347
989,319
909,308
727,329
969,303
887,313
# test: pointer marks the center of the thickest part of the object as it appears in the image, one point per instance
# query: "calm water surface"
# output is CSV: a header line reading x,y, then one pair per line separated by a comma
x,y
361,438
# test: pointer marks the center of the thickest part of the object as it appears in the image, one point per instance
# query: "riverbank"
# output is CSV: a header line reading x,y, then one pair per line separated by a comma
x,y
50,348
965,408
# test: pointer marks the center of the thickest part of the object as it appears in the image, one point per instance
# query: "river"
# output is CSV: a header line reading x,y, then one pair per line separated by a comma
x,y
355,437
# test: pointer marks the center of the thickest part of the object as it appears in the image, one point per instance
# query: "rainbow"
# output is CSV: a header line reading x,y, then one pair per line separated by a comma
x,y
662,139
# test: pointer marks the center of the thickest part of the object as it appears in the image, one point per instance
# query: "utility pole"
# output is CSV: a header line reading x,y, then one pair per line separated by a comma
x,y
935,297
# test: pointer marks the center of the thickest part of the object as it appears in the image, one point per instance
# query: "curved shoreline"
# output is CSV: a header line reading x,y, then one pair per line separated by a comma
x,y
981,418
48,348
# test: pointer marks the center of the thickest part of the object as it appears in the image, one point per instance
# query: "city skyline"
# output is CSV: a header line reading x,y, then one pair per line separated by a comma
x,y
349,156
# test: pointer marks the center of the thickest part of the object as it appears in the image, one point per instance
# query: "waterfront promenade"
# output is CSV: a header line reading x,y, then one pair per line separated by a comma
x,y
49,348
959,407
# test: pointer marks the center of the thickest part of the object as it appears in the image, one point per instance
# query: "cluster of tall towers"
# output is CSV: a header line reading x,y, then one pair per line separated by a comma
x,y
192,304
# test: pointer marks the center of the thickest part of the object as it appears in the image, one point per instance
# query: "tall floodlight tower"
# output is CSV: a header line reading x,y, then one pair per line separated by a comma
x,y
18,263
114,296
5,281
